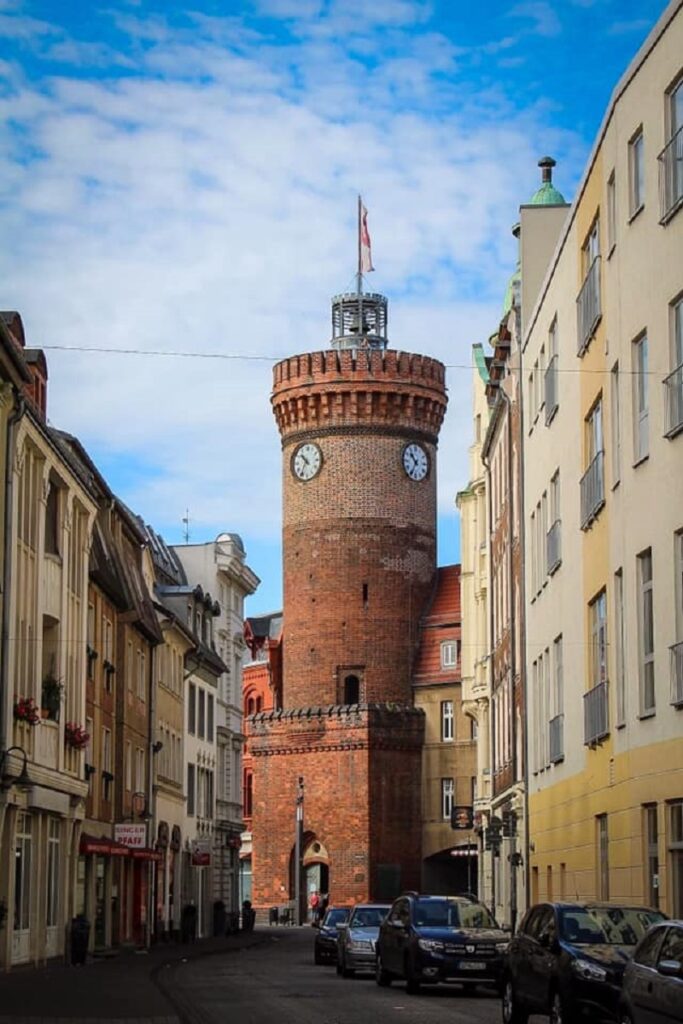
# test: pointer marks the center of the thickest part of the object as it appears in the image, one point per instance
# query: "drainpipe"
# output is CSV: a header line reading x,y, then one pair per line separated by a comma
x,y
151,806
12,421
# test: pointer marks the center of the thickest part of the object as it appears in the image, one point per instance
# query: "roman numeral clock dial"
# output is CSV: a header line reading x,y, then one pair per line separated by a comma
x,y
415,461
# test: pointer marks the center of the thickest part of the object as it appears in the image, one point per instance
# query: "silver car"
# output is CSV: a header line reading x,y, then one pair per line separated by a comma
x,y
653,981
356,939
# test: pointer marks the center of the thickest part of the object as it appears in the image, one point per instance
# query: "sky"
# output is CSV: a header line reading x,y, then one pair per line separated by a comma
x,y
181,177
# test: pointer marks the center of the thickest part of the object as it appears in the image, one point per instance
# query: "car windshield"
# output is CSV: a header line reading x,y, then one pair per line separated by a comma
x,y
368,917
615,926
449,914
334,916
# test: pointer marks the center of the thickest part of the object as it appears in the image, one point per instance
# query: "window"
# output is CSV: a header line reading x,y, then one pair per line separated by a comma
x,y
129,766
52,521
447,720
671,157
676,857
201,716
447,794
673,384
139,770
616,426
351,689
449,654
107,640
141,675
652,861
209,718
672,947
588,304
22,873
636,172
190,790
640,399
192,710
248,793
557,704
550,381
553,537
646,636
619,667
598,623
603,857
53,884
106,764
593,480
611,213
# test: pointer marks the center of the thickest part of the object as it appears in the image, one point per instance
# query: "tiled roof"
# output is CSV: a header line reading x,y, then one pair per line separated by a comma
x,y
442,622
445,606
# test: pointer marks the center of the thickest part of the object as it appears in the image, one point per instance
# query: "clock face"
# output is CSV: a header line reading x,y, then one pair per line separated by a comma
x,y
307,461
415,461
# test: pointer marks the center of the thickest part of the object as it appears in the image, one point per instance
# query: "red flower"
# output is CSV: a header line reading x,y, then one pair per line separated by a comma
x,y
76,736
26,710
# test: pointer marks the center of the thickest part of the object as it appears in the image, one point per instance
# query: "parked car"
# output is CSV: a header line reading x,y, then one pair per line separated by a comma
x,y
567,960
430,939
653,980
357,938
325,945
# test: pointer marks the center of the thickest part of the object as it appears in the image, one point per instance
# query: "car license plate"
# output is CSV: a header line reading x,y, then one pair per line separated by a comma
x,y
472,965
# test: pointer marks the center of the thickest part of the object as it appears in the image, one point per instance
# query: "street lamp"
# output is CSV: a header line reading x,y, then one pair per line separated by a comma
x,y
297,849
22,780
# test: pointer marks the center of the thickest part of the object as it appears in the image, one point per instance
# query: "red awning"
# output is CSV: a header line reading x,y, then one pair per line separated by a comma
x,y
102,845
144,853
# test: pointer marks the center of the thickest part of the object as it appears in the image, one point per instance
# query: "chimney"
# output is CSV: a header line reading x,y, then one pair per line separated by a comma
x,y
36,390
546,163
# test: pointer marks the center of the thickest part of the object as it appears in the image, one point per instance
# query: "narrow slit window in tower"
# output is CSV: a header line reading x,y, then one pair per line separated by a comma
x,y
351,690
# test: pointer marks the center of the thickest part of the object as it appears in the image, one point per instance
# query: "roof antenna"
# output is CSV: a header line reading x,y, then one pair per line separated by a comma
x,y
186,526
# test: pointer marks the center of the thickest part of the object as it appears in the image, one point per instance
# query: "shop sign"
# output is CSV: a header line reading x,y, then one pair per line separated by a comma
x,y
201,853
462,819
134,836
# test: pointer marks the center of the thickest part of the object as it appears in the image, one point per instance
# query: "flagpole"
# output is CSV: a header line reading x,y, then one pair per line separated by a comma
x,y
359,275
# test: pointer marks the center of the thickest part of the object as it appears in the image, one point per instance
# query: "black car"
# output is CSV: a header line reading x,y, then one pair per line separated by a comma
x,y
653,980
430,939
567,960
325,945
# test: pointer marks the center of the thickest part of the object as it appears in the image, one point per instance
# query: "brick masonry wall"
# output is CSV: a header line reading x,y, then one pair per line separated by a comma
x,y
362,803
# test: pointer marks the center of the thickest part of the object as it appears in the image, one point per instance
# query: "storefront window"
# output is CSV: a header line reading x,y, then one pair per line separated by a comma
x,y
53,838
22,874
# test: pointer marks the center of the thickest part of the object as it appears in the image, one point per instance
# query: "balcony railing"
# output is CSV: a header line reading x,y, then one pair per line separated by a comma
x,y
595,715
677,673
593,490
671,177
673,402
551,402
556,727
553,547
588,308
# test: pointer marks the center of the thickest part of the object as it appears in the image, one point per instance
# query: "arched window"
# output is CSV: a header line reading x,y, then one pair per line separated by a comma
x,y
351,690
250,706
259,703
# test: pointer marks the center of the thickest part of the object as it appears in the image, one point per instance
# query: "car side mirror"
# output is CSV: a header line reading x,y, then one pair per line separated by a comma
x,y
671,968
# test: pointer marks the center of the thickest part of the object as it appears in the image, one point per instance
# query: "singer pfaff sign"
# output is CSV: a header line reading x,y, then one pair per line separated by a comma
x,y
134,836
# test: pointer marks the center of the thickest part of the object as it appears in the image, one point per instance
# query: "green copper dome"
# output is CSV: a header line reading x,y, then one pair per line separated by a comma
x,y
547,195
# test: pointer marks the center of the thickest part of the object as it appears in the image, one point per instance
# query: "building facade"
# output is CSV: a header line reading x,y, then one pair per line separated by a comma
x,y
604,583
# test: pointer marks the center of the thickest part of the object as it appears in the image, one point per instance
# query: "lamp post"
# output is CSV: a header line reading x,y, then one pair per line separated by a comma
x,y
298,836
21,780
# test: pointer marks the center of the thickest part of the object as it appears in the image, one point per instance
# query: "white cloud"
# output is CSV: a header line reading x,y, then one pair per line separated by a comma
x,y
544,18
206,202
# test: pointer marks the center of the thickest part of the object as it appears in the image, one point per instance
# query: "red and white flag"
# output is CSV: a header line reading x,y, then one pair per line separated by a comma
x,y
365,243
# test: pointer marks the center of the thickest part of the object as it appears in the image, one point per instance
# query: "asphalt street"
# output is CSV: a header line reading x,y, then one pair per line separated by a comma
x,y
278,982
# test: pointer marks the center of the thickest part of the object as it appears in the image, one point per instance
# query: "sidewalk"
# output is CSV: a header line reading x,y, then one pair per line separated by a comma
x,y
119,988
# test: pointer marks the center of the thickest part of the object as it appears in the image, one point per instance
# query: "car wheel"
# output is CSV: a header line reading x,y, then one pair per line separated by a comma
x,y
559,1011
513,1013
382,977
412,983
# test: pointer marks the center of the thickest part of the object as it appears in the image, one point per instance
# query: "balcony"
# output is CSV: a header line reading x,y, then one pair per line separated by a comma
x,y
550,381
671,177
588,308
677,674
553,547
673,402
592,490
595,715
556,728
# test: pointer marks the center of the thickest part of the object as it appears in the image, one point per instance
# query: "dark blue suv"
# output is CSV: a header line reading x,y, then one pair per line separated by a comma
x,y
429,939
568,959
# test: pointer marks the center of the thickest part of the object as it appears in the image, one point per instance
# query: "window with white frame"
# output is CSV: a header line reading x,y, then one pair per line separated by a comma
x,y
449,654
447,798
591,247
106,764
129,766
141,681
611,212
557,707
201,714
619,667
616,425
678,568
636,175
191,790
192,709
641,405
53,872
598,625
447,721
209,717
646,632
139,770
108,640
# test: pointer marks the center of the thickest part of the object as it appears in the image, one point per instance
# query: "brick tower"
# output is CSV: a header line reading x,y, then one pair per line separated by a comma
x,y
359,425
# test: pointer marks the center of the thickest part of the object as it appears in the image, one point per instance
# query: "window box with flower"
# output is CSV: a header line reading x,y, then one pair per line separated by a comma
x,y
75,736
26,710
51,697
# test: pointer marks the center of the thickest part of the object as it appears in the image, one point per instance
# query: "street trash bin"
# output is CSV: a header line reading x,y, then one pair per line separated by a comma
x,y
273,916
80,934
